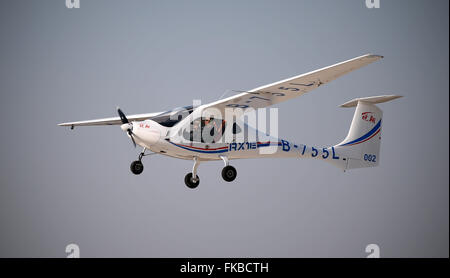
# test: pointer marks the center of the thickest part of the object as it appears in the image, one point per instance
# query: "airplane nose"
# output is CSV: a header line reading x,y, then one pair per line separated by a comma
x,y
148,132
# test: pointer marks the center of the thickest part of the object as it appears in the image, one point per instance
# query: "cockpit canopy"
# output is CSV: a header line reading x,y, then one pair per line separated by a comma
x,y
201,129
172,117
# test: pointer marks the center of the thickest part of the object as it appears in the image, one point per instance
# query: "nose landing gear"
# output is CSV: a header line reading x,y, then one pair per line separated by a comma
x,y
137,167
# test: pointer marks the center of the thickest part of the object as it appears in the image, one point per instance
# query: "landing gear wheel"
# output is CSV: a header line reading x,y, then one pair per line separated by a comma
x,y
190,182
136,167
229,173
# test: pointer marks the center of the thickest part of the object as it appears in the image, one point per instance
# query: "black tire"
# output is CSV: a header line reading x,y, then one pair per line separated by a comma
x,y
189,183
136,167
229,173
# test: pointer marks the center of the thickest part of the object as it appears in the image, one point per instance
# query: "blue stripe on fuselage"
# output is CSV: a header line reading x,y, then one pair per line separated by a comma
x,y
200,151
367,135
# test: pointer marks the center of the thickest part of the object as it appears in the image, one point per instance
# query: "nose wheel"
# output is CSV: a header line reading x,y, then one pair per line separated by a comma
x,y
137,167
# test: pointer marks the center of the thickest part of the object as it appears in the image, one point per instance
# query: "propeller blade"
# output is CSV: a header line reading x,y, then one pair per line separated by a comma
x,y
131,136
122,116
124,120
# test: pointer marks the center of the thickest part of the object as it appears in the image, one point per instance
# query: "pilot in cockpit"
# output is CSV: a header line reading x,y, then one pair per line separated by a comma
x,y
215,127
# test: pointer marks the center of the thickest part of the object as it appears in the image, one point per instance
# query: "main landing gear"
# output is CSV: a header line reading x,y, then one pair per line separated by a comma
x,y
192,180
229,173
137,167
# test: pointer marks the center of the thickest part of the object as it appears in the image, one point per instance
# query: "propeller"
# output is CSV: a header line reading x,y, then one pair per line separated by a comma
x,y
126,125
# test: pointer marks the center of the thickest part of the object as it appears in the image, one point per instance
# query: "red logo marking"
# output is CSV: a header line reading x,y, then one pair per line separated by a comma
x,y
368,117
144,126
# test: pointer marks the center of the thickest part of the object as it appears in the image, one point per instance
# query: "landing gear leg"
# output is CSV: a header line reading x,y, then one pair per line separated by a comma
x,y
229,173
142,154
192,180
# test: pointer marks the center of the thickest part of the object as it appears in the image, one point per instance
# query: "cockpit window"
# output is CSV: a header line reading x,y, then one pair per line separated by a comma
x,y
171,118
205,130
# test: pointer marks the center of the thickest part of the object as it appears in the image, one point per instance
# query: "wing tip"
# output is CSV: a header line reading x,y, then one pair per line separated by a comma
x,y
376,56
71,125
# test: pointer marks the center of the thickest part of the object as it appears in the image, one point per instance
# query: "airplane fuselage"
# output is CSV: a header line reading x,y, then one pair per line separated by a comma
x,y
270,147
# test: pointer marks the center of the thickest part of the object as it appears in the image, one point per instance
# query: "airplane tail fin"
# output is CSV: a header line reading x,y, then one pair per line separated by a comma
x,y
361,147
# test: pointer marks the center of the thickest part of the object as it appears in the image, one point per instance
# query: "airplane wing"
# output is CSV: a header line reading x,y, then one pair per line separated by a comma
x,y
292,87
262,96
111,121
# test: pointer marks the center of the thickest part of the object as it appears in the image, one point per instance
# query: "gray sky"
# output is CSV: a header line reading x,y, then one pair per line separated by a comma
x,y
59,186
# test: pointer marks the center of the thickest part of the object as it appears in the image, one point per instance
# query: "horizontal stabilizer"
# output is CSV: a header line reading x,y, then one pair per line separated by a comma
x,y
373,100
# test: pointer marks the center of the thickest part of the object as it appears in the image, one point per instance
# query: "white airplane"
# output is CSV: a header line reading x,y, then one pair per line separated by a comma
x,y
186,132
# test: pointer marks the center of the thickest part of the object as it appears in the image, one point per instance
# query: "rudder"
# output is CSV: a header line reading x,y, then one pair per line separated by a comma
x,y
361,147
